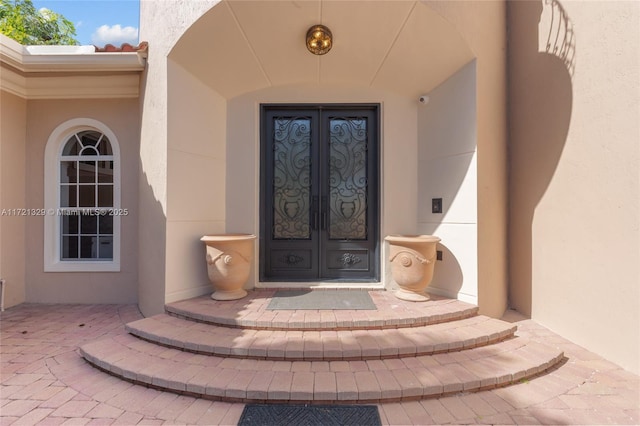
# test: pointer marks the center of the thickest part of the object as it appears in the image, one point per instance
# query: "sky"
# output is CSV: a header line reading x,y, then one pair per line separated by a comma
x,y
99,22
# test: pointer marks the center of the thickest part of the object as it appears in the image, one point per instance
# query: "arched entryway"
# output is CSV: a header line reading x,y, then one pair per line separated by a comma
x,y
240,55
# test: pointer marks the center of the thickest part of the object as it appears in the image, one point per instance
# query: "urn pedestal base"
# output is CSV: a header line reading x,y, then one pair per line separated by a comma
x,y
411,296
228,295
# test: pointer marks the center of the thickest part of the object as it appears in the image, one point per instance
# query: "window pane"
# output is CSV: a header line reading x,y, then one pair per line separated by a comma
x,y
87,196
87,172
89,137
104,147
86,183
68,172
106,248
88,224
88,247
69,224
105,195
105,171
68,196
105,224
69,247
72,146
88,150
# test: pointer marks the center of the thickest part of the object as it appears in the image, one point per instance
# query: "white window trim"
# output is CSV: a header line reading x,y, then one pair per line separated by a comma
x,y
55,144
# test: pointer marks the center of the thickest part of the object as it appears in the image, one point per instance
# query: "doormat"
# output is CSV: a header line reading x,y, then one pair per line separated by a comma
x,y
309,415
288,300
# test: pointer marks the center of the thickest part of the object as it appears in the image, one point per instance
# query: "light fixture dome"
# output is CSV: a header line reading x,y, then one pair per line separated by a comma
x,y
319,40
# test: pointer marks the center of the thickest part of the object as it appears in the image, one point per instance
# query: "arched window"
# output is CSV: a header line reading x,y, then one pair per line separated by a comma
x,y
82,198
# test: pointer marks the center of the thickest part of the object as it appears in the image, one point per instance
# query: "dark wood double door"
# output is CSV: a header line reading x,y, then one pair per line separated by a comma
x,y
319,193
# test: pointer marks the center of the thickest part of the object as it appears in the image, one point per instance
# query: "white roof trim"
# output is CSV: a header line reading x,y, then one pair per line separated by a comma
x,y
59,50
121,85
68,72
67,58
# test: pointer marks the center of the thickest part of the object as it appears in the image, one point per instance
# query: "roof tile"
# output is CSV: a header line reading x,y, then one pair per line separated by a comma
x,y
125,47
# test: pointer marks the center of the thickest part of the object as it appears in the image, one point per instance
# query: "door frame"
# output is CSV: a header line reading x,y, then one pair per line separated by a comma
x,y
376,205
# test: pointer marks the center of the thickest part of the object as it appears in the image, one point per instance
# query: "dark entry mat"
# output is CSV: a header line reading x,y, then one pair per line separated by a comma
x,y
309,415
321,299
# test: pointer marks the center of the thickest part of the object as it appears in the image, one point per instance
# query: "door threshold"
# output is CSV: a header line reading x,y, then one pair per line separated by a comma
x,y
320,285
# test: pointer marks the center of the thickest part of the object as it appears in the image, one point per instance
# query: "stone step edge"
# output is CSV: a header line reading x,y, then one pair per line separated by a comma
x,y
265,352
409,390
469,312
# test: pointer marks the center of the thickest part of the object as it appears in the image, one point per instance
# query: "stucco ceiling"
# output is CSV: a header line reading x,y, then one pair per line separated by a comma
x,y
400,46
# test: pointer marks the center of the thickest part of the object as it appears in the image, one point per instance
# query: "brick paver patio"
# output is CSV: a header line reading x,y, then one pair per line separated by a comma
x,y
45,381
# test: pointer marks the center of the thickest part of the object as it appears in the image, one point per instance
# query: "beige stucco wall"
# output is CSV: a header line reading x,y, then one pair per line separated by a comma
x,y
13,119
482,25
122,117
162,23
575,185
447,169
196,163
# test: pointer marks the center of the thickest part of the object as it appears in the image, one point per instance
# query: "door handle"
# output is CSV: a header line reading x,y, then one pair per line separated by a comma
x,y
314,213
323,215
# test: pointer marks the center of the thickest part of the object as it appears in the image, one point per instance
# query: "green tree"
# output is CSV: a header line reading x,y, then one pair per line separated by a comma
x,y
20,21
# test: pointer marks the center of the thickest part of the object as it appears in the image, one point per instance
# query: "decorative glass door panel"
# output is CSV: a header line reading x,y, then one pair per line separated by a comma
x,y
291,178
347,179
319,193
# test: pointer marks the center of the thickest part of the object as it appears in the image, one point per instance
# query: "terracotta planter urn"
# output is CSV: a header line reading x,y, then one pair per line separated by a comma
x,y
412,260
229,258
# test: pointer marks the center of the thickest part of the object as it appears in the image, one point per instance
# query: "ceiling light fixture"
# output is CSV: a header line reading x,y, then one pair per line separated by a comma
x,y
319,40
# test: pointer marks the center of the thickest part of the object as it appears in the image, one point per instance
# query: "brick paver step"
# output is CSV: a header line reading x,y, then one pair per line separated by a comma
x,y
323,344
235,379
252,312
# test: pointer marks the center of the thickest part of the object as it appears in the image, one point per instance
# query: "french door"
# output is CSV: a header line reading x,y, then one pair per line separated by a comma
x,y
319,193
